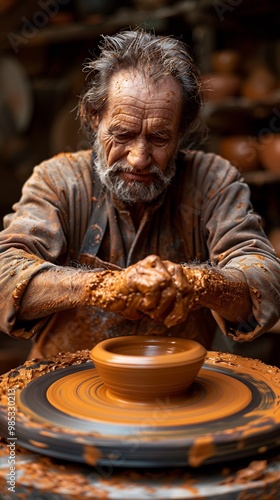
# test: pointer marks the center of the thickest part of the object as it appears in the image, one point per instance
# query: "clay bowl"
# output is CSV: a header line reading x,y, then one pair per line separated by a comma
x,y
142,368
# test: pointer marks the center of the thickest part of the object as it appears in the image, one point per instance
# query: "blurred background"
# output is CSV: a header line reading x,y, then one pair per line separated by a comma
x,y
236,44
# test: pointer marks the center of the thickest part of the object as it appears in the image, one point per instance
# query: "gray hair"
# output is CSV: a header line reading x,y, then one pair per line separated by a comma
x,y
155,57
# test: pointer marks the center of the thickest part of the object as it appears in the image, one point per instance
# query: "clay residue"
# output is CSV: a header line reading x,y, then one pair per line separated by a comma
x,y
91,455
158,289
19,377
202,449
255,471
17,293
258,370
56,479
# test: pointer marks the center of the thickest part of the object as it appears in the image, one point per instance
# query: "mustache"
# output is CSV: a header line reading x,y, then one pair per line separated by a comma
x,y
120,167
132,191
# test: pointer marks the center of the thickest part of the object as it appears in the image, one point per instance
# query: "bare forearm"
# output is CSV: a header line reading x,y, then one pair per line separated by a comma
x,y
55,290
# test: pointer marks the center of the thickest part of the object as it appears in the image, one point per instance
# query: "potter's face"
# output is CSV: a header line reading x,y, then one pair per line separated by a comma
x,y
138,136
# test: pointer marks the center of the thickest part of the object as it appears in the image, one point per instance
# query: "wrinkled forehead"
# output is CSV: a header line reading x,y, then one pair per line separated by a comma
x,y
138,85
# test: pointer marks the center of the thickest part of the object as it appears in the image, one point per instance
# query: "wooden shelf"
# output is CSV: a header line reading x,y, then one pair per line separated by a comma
x,y
252,105
261,177
95,25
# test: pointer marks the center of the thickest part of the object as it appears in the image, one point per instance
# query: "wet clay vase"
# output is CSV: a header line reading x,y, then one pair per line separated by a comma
x,y
241,151
269,152
144,368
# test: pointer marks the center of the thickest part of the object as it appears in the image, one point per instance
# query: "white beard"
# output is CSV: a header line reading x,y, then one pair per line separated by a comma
x,y
131,191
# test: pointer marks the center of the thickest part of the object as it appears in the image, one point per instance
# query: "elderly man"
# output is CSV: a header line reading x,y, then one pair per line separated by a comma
x,y
145,233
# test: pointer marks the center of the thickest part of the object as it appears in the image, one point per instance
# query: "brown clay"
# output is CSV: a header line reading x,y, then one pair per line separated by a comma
x,y
146,287
163,291
82,395
218,416
146,367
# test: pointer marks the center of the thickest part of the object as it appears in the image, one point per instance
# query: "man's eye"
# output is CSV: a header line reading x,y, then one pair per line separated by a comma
x,y
122,138
159,139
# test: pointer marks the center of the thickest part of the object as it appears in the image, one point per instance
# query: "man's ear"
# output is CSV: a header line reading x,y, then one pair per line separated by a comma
x,y
95,122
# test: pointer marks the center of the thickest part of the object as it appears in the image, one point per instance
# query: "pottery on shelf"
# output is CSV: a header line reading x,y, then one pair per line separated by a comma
x,y
269,151
144,368
259,83
225,61
241,151
218,86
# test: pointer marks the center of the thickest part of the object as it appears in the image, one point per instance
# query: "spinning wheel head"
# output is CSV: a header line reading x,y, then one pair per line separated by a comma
x,y
230,411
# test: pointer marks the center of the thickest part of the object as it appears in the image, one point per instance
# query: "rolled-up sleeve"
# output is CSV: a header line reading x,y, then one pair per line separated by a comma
x,y
43,231
236,241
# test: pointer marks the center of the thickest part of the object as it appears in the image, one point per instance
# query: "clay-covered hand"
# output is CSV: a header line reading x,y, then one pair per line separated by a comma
x,y
138,287
186,294
152,287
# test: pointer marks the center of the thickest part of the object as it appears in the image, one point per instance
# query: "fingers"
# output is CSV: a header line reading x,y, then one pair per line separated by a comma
x,y
175,300
150,300
182,284
151,281
179,312
159,289
164,305
131,308
147,276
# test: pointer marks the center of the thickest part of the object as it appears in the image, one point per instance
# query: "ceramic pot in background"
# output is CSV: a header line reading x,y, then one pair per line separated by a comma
x,y
218,86
225,61
259,83
269,152
241,151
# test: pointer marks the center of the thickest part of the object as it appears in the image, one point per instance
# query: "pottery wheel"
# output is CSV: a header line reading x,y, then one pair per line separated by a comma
x,y
231,411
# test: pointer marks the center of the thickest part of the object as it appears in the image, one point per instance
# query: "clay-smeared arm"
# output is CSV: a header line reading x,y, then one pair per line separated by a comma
x,y
190,287
225,292
160,289
144,285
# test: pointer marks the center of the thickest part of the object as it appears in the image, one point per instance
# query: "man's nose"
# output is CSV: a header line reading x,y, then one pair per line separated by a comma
x,y
139,156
